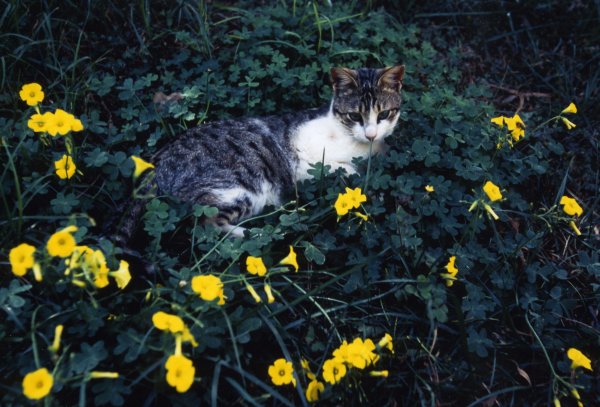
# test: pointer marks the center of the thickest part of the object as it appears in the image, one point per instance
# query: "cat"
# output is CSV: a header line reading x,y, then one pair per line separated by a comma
x,y
240,166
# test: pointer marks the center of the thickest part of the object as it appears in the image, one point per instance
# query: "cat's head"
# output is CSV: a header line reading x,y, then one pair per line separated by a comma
x,y
367,101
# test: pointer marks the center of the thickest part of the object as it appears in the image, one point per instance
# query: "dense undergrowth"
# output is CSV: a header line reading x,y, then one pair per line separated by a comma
x,y
458,296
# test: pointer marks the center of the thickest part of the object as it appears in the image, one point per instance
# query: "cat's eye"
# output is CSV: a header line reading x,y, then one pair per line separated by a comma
x,y
383,115
355,117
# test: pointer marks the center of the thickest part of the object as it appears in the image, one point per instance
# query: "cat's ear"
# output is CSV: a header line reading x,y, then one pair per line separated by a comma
x,y
343,78
391,78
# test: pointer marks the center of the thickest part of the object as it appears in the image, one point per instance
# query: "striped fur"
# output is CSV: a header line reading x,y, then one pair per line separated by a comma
x,y
242,165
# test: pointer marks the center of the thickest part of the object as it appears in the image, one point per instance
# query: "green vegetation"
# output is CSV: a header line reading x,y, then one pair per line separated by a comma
x,y
444,293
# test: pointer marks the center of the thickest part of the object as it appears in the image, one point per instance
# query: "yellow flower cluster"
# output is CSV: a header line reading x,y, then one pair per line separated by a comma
x,y
82,262
351,199
58,123
358,354
515,126
256,266
569,109
180,369
54,123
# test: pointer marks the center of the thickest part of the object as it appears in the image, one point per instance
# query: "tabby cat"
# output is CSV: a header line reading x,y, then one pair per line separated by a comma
x,y
239,166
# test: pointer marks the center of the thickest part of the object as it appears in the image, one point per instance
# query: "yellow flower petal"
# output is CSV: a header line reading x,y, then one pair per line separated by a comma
x,y
140,166
570,206
209,287
492,191
122,276
314,390
56,342
103,375
269,292
255,266
253,293
569,124
498,121
578,359
570,109
291,259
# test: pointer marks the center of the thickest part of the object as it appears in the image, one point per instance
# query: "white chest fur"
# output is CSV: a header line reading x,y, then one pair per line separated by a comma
x,y
325,140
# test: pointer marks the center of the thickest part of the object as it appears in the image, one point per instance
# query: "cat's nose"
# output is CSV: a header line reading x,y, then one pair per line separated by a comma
x,y
371,132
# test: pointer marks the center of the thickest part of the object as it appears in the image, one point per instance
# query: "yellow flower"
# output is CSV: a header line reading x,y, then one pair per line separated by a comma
x,y
186,336
56,342
515,126
575,228
39,122
568,123
62,243
122,276
95,265
209,288
253,293
429,188
306,368
76,125
255,266
343,204
379,373
37,384
167,322
65,167
386,342
291,259
452,271
333,370
362,216
103,375
570,206
32,93
570,109
270,298
492,191
281,372
140,166
314,390
37,272
355,196
498,121
360,354
578,359
180,372
21,259
61,123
